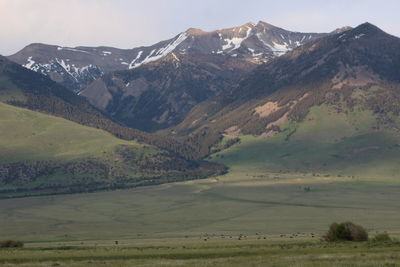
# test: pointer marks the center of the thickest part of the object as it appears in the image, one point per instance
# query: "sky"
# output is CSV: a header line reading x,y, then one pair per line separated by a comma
x,y
132,23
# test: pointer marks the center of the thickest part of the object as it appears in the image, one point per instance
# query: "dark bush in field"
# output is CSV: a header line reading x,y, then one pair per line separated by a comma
x,y
11,244
346,231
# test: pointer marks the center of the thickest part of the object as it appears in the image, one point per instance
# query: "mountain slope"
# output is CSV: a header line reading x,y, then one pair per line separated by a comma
x,y
77,67
159,91
25,88
160,94
40,152
154,87
353,78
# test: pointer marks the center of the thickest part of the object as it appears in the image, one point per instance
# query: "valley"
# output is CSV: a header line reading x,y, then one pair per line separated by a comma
x,y
273,146
243,202
227,147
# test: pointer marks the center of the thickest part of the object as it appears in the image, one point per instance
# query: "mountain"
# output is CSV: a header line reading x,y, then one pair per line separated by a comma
x,y
152,88
77,67
28,89
47,147
159,91
339,93
328,107
160,94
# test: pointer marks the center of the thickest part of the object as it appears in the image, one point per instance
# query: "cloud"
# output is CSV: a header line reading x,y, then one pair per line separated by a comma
x,y
73,22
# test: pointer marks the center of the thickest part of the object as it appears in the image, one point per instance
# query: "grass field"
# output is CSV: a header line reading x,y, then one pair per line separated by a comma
x,y
226,205
28,135
264,192
212,252
272,208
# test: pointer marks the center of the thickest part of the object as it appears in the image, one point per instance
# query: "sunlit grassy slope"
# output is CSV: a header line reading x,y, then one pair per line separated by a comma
x,y
326,143
43,154
27,135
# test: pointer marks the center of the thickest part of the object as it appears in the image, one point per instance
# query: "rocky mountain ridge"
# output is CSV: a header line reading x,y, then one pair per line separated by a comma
x,y
160,94
351,72
77,67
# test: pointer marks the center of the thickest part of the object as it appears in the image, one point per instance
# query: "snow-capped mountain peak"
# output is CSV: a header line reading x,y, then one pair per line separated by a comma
x,y
77,67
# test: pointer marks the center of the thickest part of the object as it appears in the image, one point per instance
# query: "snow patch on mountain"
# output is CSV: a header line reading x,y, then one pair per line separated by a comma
x,y
279,49
235,42
276,48
71,49
70,69
254,54
256,43
133,63
232,43
162,52
358,36
30,63
60,66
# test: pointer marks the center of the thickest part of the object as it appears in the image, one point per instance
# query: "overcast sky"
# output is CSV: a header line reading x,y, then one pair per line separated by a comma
x,y
131,23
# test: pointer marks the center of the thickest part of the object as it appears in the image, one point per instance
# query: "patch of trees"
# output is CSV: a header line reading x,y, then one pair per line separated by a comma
x,y
385,100
346,231
11,244
136,168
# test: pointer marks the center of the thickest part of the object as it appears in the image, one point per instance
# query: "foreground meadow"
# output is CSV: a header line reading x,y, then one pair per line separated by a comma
x,y
214,252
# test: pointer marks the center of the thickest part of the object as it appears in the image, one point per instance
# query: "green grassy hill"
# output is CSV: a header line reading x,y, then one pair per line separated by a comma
x,y
43,154
326,143
28,135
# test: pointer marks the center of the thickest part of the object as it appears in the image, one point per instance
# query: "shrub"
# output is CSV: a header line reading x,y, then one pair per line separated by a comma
x,y
382,238
346,231
11,244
